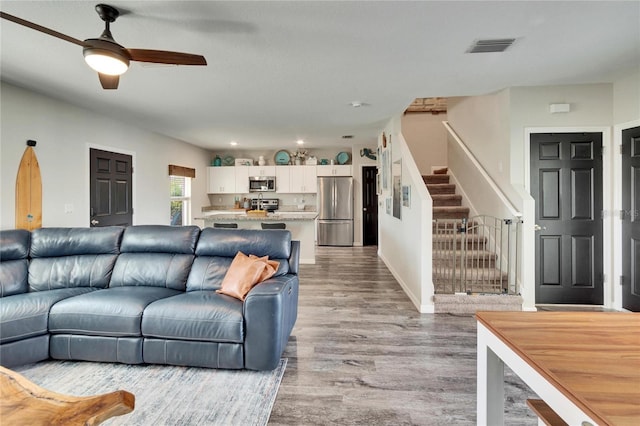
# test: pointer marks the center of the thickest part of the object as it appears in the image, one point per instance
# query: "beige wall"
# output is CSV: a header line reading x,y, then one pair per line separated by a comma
x,y
64,134
427,140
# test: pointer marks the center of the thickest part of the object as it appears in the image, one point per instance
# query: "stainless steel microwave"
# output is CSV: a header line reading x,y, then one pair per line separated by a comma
x,y
262,183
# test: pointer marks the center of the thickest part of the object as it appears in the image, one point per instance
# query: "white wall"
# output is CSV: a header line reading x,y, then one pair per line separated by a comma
x,y
427,140
591,106
626,98
482,122
64,134
405,244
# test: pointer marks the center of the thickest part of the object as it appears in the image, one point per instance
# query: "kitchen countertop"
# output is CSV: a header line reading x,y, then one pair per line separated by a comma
x,y
275,217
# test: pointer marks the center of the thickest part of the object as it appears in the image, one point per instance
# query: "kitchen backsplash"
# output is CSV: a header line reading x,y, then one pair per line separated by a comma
x,y
288,202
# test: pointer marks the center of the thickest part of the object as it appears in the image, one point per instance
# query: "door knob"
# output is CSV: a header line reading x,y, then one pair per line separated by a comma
x,y
364,209
537,227
95,222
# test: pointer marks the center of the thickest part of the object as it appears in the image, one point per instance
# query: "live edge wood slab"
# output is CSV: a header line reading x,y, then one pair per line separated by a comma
x,y
25,403
593,358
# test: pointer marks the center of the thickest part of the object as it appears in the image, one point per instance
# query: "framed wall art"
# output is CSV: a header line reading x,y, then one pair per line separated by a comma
x,y
406,196
397,190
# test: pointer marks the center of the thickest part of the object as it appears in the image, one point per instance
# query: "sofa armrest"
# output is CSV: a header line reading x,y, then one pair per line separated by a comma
x,y
270,312
294,259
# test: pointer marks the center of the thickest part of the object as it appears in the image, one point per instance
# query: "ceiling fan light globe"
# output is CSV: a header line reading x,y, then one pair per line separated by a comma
x,y
106,62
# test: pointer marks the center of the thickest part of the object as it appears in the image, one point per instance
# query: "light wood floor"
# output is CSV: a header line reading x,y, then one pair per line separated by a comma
x,y
361,354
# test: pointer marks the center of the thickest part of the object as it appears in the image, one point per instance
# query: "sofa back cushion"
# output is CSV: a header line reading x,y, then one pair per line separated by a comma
x,y
14,250
155,256
73,257
217,247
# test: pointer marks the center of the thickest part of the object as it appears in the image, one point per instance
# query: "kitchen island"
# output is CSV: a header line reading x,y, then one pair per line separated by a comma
x,y
301,224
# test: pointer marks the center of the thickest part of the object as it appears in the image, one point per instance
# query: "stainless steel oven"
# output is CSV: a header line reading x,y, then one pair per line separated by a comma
x,y
262,183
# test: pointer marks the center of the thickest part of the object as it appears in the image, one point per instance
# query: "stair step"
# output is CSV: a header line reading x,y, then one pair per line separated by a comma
x,y
440,200
450,212
441,188
470,304
439,178
451,241
446,226
472,259
475,275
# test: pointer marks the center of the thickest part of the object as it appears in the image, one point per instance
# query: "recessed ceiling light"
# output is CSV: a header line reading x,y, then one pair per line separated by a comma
x,y
358,104
233,143
300,142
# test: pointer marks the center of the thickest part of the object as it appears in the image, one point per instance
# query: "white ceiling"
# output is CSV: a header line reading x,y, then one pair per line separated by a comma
x,y
279,71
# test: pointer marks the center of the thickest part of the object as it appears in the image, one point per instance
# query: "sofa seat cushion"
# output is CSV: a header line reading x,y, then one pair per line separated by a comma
x,y
197,315
26,315
112,312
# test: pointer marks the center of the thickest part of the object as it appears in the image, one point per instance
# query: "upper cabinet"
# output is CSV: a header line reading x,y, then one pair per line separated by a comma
x,y
289,179
296,179
334,170
303,179
228,180
242,179
283,179
262,170
221,180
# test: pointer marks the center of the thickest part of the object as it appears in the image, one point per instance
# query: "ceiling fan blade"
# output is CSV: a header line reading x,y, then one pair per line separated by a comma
x,y
109,81
166,57
40,28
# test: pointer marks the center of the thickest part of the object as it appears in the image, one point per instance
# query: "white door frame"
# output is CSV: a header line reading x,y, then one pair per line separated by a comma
x,y
617,206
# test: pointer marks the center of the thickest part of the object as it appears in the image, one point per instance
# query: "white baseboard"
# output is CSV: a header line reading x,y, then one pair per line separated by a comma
x,y
422,308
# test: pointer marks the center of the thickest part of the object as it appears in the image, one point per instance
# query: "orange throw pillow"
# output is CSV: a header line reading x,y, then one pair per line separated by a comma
x,y
243,274
270,269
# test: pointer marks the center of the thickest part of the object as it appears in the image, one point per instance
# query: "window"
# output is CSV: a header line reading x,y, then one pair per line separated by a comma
x,y
180,200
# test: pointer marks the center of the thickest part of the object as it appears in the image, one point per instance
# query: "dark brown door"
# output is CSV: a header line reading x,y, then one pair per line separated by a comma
x,y
631,219
369,206
111,192
566,183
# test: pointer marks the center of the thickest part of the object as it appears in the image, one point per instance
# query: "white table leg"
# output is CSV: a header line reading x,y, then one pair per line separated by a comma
x,y
490,383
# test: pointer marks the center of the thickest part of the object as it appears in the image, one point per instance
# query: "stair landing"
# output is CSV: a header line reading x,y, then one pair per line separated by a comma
x,y
470,304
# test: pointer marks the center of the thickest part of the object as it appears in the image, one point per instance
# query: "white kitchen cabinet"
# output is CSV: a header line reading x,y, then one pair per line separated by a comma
x,y
334,170
262,170
221,180
303,179
242,179
283,179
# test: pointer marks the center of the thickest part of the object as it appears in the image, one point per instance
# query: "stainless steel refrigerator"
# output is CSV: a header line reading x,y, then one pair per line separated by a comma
x,y
335,211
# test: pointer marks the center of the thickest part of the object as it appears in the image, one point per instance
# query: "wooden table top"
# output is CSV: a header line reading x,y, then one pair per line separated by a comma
x,y
593,358
22,402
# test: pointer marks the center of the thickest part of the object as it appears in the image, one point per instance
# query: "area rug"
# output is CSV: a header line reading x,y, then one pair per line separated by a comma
x,y
168,395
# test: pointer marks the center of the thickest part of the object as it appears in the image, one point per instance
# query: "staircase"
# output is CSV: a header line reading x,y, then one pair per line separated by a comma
x,y
468,280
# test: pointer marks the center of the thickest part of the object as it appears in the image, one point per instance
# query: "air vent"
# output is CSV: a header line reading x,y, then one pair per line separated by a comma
x,y
491,46
347,137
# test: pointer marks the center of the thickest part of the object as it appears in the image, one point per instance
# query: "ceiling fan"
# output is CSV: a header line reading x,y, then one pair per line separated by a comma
x,y
106,56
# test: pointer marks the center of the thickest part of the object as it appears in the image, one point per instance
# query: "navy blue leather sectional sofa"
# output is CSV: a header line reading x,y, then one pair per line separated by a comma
x,y
143,294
